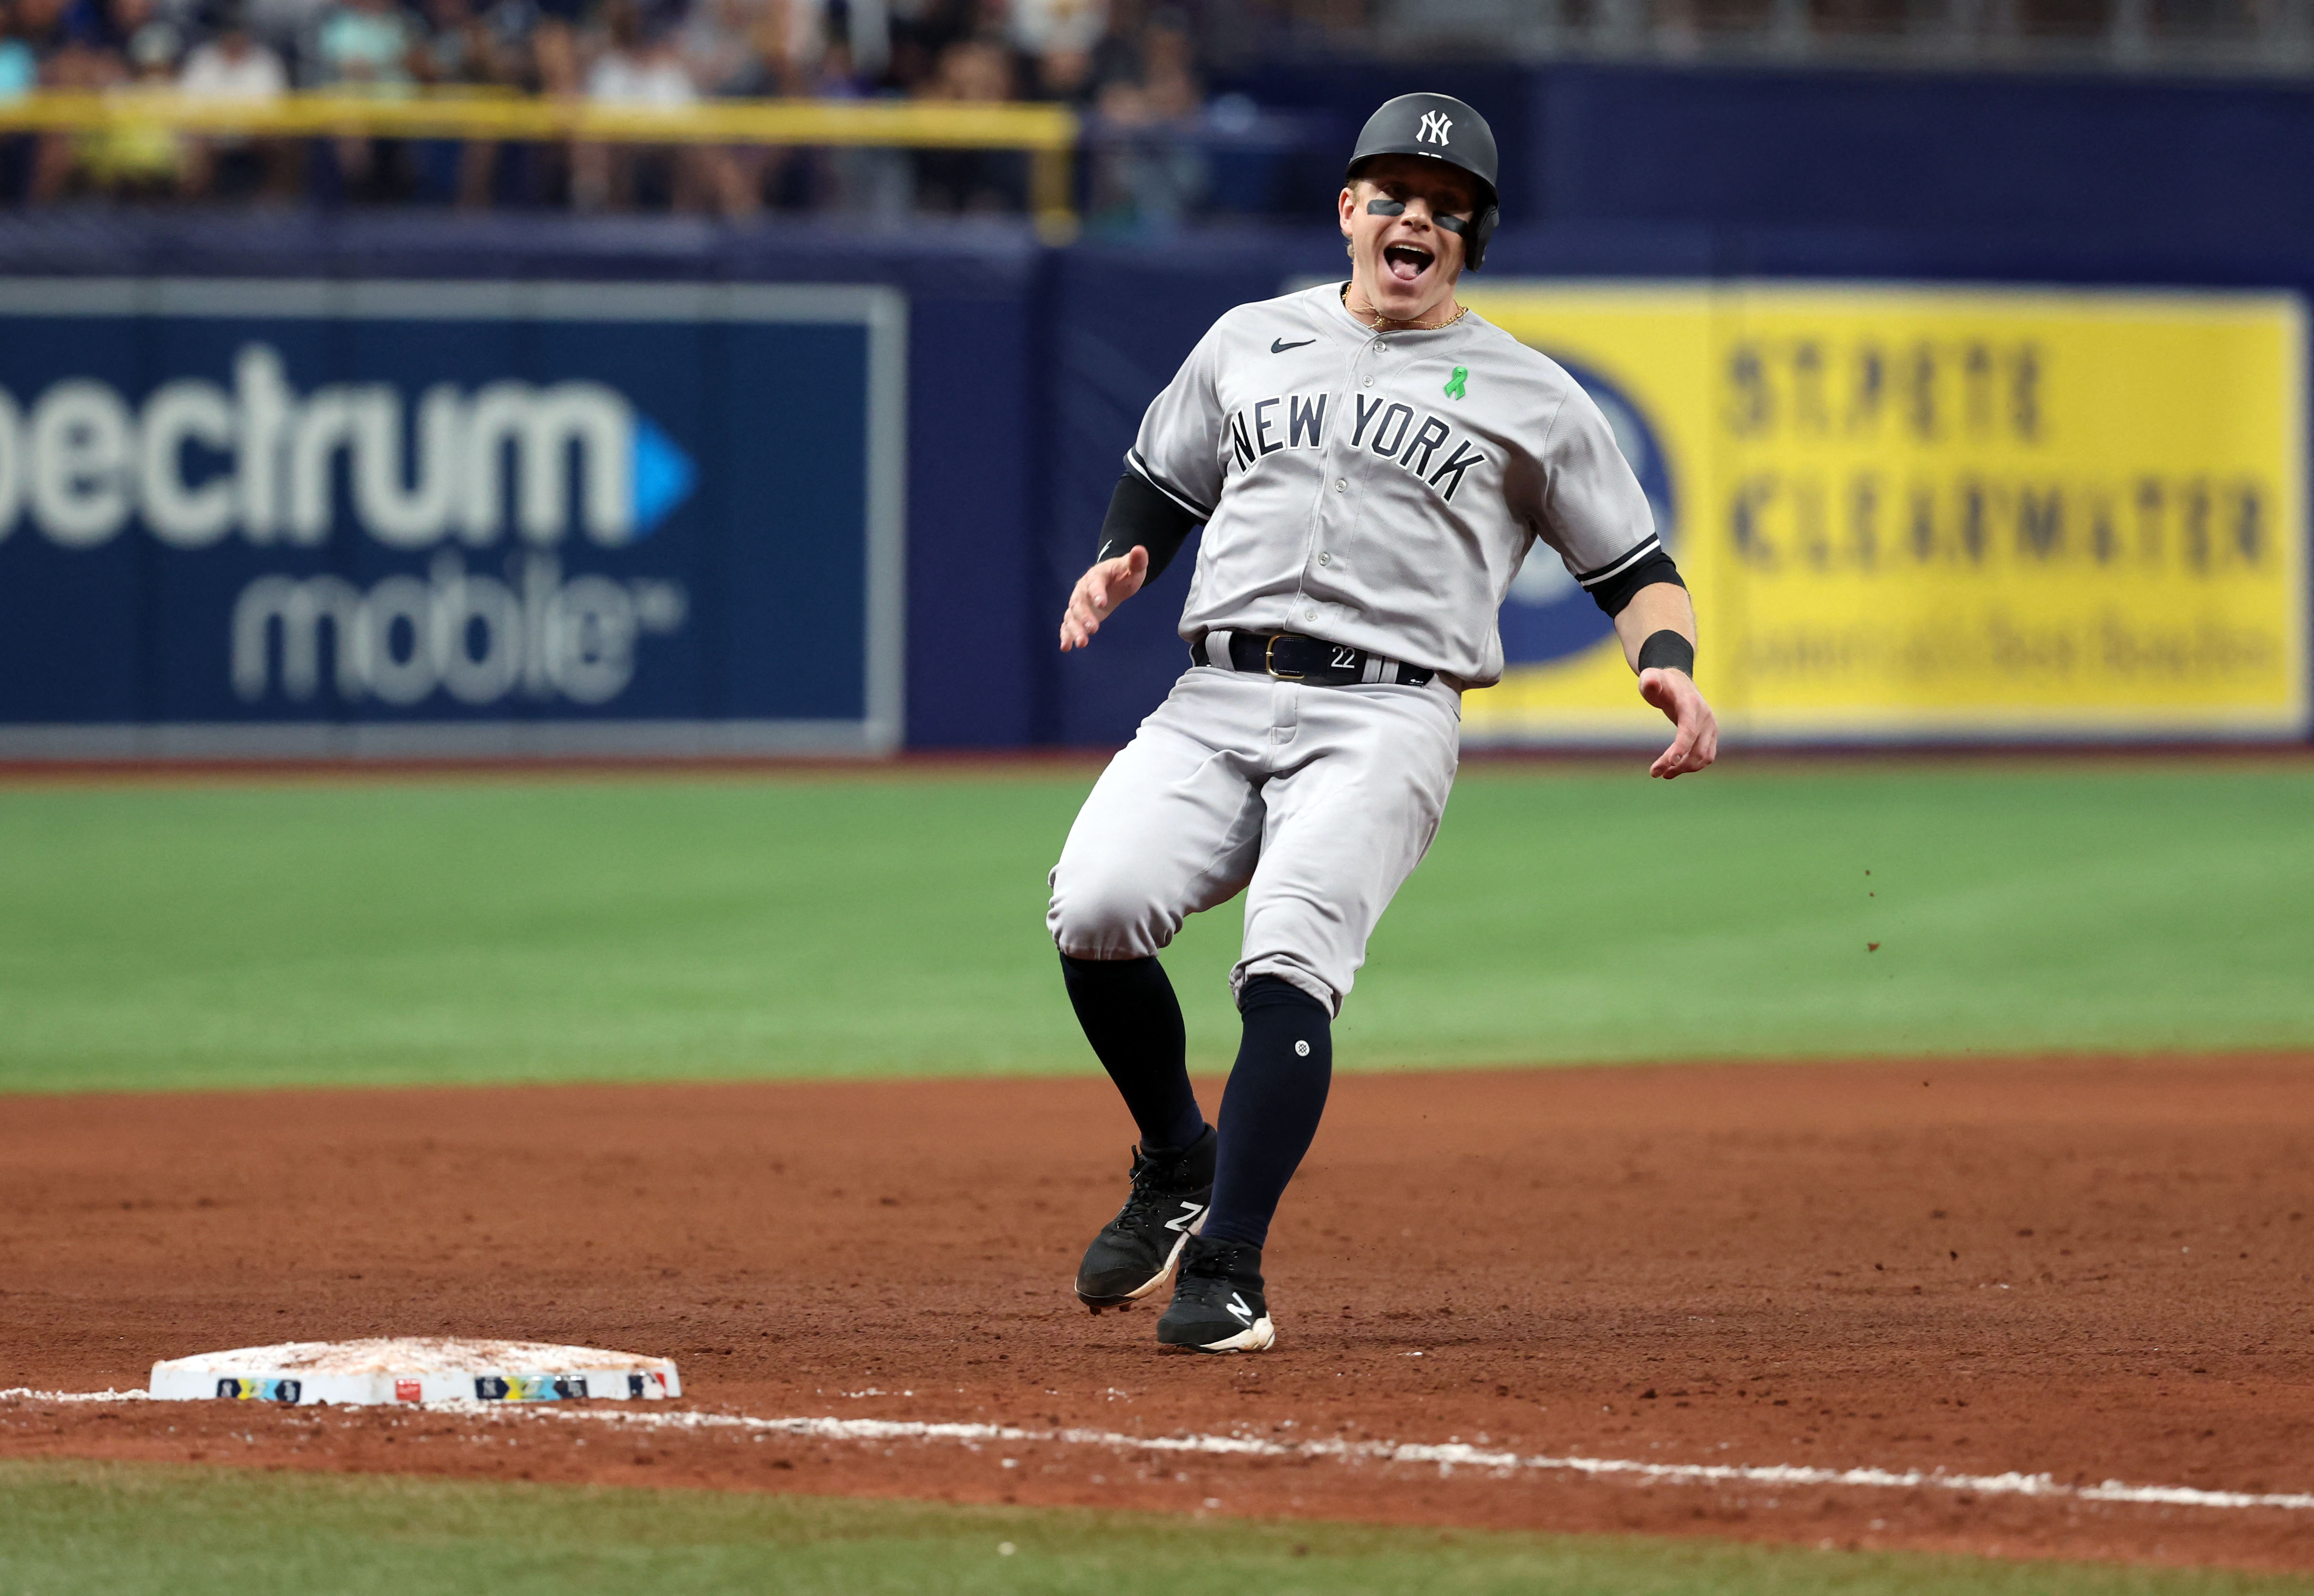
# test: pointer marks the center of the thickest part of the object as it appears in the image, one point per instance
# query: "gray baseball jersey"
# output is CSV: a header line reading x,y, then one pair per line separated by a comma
x,y
1382,490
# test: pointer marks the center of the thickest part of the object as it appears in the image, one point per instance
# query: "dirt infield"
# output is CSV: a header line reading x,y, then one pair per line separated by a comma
x,y
2092,1270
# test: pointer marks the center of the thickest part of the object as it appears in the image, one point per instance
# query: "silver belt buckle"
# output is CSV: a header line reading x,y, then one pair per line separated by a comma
x,y
1269,664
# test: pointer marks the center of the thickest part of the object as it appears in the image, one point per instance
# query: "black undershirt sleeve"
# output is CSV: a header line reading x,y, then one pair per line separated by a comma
x,y
1618,590
1139,514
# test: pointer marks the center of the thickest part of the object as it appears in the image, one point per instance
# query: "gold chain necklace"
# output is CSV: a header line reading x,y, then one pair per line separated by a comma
x,y
1377,324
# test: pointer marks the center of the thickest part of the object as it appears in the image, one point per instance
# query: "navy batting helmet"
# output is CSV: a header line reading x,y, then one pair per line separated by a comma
x,y
1443,128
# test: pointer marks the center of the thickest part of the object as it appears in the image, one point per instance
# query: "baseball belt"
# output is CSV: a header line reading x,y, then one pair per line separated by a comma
x,y
1292,657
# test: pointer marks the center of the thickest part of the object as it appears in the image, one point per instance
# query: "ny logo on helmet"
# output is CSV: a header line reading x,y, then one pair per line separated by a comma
x,y
1434,127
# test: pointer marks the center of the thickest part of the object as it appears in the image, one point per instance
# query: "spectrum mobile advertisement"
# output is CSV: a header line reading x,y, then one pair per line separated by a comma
x,y
320,517
1912,513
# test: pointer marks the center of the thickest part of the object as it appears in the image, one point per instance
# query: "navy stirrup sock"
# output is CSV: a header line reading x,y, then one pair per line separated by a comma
x,y
1271,1110
1133,1022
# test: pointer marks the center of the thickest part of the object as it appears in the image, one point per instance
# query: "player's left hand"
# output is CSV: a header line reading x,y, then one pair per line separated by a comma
x,y
1675,693
1109,584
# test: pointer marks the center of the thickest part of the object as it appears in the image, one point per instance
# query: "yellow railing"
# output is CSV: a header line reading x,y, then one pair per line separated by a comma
x,y
1046,133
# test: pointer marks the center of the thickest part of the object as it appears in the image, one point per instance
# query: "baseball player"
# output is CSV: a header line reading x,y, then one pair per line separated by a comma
x,y
1371,462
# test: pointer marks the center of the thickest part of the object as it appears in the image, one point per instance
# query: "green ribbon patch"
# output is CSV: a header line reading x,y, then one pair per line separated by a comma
x,y
1454,383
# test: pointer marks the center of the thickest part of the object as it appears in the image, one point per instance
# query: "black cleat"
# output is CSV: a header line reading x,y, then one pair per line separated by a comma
x,y
1218,1304
1134,1253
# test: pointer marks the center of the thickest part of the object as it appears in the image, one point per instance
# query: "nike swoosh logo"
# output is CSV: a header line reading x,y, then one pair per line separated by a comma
x,y
1278,346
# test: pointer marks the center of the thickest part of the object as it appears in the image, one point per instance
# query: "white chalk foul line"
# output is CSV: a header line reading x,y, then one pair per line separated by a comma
x,y
1451,1455
1448,1456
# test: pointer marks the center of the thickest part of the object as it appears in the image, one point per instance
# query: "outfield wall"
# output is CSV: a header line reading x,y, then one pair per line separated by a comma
x,y
1920,499
823,491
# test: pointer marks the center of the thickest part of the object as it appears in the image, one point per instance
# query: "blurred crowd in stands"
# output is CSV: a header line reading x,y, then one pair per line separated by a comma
x,y
1129,63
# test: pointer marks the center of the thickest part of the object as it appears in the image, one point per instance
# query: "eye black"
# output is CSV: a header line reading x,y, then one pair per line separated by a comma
x,y
1385,207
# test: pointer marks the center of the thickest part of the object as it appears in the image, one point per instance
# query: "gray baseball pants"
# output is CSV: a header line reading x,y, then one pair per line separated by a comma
x,y
1316,802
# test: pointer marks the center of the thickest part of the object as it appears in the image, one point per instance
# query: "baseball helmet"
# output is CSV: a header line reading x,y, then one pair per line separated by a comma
x,y
1443,128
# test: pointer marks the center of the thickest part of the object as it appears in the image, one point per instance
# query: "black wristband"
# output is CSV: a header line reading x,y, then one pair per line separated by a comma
x,y
1667,650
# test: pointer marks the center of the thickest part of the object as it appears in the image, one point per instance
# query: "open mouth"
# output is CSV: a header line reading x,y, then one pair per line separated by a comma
x,y
1405,262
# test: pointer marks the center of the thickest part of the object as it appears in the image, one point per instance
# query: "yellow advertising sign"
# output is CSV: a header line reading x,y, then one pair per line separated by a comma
x,y
1916,513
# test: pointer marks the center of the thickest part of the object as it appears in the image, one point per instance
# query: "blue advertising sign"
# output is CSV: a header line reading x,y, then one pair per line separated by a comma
x,y
425,518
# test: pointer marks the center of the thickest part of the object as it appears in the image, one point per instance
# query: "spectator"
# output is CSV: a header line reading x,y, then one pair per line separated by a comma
x,y
1169,70
129,158
456,45
482,51
78,51
756,47
234,64
839,75
61,28
1064,75
504,46
640,68
369,44
864,28
1149,170
746,50
978,70
1117,53
153,44
862,181
1040,25
920,33
20,68
55,29
554,53
804,29
720,43
292,30
1058,35
1151,75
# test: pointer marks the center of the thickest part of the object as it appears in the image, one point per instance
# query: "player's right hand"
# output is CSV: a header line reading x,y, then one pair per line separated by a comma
x,y
1109,584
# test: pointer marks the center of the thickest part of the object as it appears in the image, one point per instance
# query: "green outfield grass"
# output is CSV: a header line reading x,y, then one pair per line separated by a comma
x,y
466,930
127,1529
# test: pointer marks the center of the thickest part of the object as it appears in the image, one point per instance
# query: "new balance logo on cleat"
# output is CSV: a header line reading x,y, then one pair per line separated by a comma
x,y
1218,1302
1135,1254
